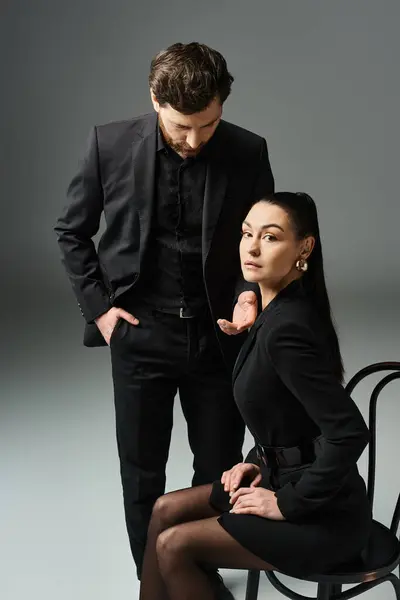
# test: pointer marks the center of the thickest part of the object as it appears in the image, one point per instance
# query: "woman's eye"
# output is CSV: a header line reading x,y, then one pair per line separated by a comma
x,y
269,237
246,234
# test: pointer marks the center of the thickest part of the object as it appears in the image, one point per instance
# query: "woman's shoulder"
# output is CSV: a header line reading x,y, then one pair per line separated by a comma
x,y
294,318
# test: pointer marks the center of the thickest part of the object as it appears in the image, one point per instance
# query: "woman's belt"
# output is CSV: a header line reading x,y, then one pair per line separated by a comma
x,y
284,457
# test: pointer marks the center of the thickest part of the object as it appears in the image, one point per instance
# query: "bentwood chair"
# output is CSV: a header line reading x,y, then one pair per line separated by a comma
x,y
382,555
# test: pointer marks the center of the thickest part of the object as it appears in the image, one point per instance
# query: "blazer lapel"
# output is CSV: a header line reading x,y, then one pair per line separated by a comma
x,y
245,349
144,162
294,289
214,193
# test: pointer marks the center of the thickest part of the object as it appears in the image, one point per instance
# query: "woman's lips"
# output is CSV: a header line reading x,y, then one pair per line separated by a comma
x,y
251,265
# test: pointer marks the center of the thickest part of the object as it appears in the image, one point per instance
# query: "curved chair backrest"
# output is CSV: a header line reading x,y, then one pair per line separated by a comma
x,y
394,367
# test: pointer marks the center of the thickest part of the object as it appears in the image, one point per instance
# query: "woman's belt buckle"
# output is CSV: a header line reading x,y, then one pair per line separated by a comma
x,y
271,457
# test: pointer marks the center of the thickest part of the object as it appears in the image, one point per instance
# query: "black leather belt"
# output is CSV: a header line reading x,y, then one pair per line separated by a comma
x,y
181,312
283,457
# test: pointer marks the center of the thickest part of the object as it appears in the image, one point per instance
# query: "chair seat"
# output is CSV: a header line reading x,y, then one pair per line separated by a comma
x,y
379,558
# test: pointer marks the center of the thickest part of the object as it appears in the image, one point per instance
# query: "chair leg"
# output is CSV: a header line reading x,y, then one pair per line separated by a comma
x,y
324,591
336,588
395,581
253,582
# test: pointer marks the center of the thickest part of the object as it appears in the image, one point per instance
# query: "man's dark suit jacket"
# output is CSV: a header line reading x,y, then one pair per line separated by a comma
x,y
117,176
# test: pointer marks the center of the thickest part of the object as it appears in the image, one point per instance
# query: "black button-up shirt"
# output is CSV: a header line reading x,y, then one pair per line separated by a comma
x,y
173,275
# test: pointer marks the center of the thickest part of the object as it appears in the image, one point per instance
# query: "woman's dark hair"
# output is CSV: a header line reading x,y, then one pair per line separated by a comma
x,y
302,213
189,76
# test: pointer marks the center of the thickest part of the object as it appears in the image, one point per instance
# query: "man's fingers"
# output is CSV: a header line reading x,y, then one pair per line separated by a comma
x,y
127,316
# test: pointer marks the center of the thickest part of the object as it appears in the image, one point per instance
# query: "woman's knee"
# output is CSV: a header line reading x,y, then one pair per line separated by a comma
x,y
165,512
172,545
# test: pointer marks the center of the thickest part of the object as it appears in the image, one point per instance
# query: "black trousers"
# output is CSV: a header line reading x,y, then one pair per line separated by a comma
x,y
150,363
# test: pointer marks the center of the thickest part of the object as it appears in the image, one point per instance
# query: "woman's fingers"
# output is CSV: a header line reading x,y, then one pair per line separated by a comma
x,y
237,475
240,492
231,479
236,478
227,327
227,482
256,481
249,510
245,502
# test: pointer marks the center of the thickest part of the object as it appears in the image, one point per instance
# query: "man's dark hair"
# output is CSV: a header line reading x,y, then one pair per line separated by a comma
x,y
189,76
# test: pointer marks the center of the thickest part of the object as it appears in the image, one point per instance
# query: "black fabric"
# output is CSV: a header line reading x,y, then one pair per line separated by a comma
x,y
283,457
117,178
311,545
285,390
150,362
173,274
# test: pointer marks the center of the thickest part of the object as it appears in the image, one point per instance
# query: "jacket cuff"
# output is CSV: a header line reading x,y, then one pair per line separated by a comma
x,y
98,306
292,505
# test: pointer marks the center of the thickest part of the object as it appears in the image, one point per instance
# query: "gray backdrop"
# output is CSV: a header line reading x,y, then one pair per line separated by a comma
x,y
320,81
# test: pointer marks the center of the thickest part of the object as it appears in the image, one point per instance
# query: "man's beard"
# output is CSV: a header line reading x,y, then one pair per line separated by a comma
x,y
180,147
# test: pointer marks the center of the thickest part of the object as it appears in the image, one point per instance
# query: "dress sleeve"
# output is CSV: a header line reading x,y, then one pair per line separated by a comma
x,y
301,364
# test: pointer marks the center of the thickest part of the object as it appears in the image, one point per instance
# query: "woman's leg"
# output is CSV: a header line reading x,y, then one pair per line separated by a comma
x,y
183,549
176,507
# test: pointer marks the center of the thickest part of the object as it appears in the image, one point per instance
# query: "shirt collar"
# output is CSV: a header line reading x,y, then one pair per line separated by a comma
x,y
160,139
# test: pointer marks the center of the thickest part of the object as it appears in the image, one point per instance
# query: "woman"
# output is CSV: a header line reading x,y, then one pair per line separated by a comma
x,y
298,503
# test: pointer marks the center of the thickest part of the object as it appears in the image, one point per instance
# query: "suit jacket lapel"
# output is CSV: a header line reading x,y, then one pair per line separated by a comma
x,y
245,349
214,193
250,341
292,290
144,162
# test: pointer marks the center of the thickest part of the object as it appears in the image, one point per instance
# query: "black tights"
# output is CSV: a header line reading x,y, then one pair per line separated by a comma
x,y
183,537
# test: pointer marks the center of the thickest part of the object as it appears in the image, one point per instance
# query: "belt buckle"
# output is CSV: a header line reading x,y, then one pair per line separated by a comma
x,y
267,457
182,316
280,458
260,454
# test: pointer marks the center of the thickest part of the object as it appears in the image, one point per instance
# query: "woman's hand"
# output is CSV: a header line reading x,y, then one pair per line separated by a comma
x,y
244,315
231,479
256,501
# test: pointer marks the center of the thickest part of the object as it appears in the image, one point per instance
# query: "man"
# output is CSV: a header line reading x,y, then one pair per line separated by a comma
x,y
174,187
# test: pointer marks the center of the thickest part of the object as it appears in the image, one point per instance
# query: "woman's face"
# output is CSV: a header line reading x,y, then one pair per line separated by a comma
x,y
269,248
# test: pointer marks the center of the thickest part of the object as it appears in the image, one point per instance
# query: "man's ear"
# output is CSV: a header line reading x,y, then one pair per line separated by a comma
x,y
155,103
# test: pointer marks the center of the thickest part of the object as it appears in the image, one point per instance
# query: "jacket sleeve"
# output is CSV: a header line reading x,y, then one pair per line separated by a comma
x,y
252,457
300,364
264,184
75,228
